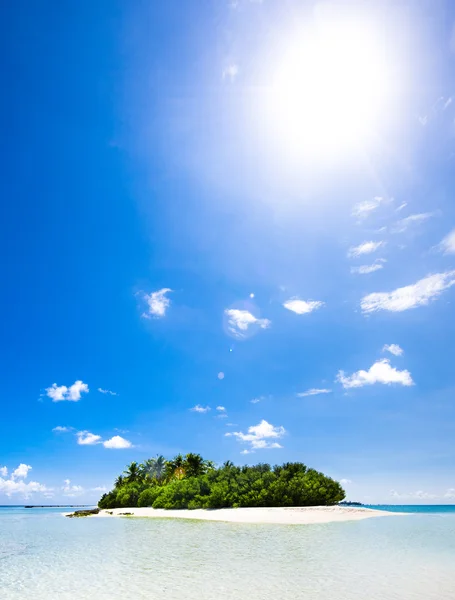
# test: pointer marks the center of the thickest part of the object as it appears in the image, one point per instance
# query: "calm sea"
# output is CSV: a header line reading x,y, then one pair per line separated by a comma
x,y
45,556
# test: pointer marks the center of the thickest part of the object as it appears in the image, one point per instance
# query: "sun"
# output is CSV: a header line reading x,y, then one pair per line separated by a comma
x,y
330,89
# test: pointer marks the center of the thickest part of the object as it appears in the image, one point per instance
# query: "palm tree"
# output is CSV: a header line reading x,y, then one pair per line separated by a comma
x,y
174,467
154,467
194,465
119,481
132,473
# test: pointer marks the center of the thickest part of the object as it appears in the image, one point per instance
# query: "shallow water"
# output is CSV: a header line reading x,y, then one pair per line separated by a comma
x,y
46,556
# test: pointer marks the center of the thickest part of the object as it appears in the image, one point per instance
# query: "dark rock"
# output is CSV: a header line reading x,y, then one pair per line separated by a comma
x,y
84,513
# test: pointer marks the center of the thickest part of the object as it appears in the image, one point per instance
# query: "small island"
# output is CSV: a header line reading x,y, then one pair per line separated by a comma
x,y
190,482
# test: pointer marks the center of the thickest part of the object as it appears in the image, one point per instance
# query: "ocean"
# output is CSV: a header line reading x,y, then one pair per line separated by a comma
x,y
46,556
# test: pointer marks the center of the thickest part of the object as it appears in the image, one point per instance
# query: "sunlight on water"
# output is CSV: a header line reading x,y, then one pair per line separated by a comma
x,y
48,557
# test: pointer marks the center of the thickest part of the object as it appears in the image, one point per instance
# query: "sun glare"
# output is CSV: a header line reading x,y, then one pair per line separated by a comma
x,y
330,90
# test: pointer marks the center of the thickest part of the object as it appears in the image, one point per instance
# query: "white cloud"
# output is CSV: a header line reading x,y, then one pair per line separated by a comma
x,y
220,375
200,409
345,481
394,349
107,392
364,248
302,307
313,392
71,490
3,471
21,472
230,72
60,429
240,320
11,486
117,443
450,494
158,303
85,438
419,495
447,245
363,209
73,393
259,436
447,103
220,408
366,269
402,206
99,488
411,296
380,372
401,226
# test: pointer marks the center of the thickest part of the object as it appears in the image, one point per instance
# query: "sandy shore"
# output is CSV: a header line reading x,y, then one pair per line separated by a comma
x,y
287,516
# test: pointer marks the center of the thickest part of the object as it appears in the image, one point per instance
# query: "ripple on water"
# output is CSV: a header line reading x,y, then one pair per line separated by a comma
x,y
404,558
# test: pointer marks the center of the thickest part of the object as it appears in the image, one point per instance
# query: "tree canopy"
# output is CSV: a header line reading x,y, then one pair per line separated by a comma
x,y
192,482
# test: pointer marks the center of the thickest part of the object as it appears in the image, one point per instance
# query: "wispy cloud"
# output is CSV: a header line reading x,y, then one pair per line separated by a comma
x,y
71,490
260,436
117,443
230,72
302,307
85,438
60,429
73,393
410,296
3,471
345,481
364,248
257,399
158,303
366,269
447,245
450,494
313,392
380,372
107,392
365,208
239,321
417,219
394,349
200,409
221,408
419,495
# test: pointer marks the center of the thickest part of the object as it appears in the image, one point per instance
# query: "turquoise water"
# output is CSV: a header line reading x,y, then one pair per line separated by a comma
x,y
46,556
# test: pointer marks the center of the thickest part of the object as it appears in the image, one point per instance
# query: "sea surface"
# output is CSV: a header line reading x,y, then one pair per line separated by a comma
x,y
45,556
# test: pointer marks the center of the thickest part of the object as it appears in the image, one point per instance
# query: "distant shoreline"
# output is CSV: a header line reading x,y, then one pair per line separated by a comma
x,y
283,515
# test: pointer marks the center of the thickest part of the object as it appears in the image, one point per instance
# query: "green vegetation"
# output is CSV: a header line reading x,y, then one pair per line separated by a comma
x,y
192,482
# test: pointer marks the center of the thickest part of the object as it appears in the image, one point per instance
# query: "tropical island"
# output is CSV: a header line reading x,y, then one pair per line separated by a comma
x,y
191,482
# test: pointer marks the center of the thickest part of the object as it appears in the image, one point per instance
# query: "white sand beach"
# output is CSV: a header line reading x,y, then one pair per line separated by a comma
x,y
287,516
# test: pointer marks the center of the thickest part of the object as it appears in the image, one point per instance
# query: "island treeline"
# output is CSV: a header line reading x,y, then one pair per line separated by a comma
x,y
192,482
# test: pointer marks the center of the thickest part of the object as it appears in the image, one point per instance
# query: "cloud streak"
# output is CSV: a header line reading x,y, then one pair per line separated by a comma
x,y
302,307
313,392
418,294
366,269
364,248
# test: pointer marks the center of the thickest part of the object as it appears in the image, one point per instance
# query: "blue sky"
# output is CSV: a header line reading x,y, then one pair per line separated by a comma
x,y
300,225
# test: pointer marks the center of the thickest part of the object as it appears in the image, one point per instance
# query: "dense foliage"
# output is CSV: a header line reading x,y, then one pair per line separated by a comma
x,y
192,482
